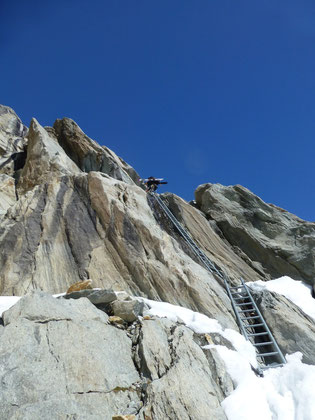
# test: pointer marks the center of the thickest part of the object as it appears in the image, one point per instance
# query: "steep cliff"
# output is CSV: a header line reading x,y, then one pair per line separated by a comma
x,y
72,210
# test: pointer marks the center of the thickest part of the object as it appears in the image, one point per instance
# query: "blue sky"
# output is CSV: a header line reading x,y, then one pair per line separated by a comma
x,y
192,91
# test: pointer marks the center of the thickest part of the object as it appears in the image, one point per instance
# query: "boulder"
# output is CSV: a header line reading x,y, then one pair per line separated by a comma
x,y
60,356
97,297
128,310
270,239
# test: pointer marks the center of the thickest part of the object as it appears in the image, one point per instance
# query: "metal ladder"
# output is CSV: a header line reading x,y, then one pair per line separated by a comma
x,y
254,327
251,322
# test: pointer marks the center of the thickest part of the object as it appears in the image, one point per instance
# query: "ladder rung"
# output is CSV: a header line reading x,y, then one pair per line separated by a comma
x,y
237,287
256,334
250,317
239,298
243,304
265,343
272,353
271,366
247,310
254,325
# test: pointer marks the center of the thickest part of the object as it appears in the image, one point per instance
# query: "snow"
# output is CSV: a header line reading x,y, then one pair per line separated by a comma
x,y
285,393
294,290
6,302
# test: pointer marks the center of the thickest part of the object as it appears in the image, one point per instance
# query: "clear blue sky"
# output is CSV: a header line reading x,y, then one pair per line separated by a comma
x,y
193,91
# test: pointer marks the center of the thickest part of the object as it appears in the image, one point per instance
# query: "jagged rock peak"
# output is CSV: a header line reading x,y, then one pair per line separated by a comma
x,y
11,130
89,155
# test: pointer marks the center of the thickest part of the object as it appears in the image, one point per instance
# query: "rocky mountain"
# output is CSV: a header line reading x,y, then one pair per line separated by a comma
x,y
72,210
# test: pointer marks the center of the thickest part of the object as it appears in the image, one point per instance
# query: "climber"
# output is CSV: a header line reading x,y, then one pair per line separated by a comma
x,y
152,183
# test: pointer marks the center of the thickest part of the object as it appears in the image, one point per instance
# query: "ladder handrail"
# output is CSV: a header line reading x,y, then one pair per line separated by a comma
x,y
189,240
265,324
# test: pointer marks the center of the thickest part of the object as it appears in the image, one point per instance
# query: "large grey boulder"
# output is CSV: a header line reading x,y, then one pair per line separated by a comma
x,y
271,240
60,358
292,328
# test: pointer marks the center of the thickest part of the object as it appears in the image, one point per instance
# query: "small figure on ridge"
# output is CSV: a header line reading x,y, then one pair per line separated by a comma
x,y
152,183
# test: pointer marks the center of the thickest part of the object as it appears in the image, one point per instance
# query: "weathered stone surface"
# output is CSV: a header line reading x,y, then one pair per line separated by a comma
x,y
291,327
275,241
42,307
210,240
88,155
45,159
7,192
60,357
128,310
182,385
93,226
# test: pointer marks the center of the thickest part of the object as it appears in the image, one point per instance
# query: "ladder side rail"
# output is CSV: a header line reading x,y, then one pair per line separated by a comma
x,y
240,322
265,324
202,257
200,254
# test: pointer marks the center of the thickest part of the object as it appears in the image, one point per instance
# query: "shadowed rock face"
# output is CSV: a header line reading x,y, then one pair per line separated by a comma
x,y
273,240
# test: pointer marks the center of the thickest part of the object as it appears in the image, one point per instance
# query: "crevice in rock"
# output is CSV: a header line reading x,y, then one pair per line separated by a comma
x,y
49,346
49,320
142,388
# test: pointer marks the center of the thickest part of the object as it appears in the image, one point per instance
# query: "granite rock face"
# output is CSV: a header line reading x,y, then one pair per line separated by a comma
x,y
272,241
61,356
93,226
72,211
